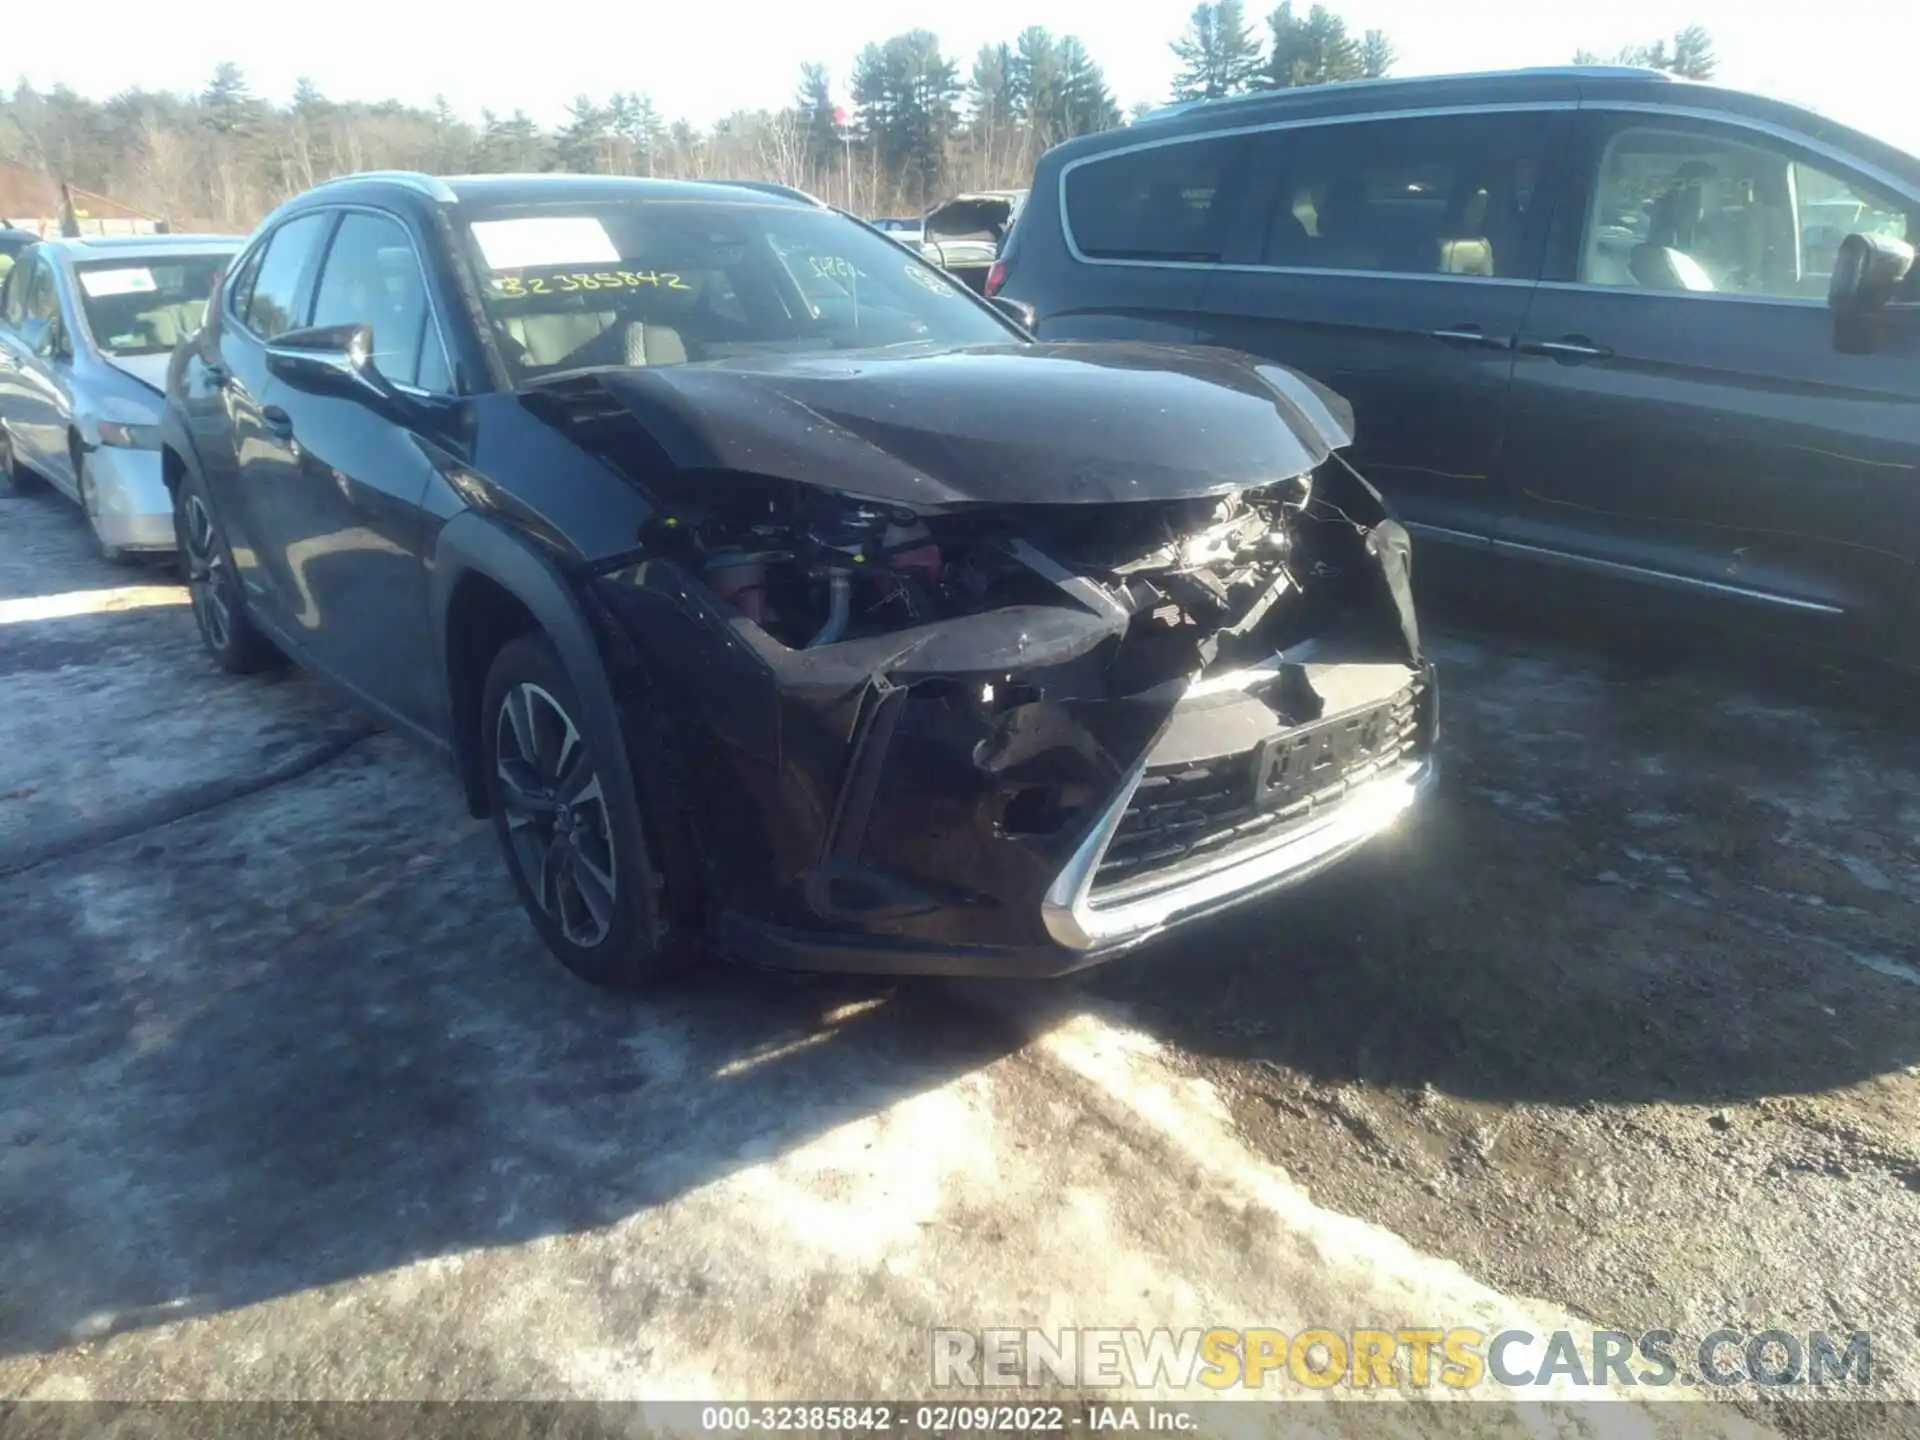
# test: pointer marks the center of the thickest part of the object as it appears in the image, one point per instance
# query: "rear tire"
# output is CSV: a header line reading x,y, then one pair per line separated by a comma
x,y
214,585
579,851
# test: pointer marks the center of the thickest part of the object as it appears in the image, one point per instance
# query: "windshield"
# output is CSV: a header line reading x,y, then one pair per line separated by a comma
x,y
146,307
666,282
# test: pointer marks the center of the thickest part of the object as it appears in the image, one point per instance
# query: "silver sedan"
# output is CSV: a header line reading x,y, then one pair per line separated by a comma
x,y
86,329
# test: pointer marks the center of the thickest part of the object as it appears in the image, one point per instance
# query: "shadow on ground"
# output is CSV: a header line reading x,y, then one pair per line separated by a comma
x,y
310,1036
1642,877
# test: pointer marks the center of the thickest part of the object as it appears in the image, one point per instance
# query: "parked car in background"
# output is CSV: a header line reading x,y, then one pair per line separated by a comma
x,y
86,327
865,636
1592,322
963,235
908,232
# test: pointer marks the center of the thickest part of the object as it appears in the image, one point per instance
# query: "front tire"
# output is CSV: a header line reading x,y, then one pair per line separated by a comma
x,y
574,841
213,585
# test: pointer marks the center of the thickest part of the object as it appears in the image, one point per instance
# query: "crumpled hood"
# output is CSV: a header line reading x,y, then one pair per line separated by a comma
x,y
1058,423
149,370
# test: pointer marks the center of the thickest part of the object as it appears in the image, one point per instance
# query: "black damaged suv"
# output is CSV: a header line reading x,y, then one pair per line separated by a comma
x,y
775,594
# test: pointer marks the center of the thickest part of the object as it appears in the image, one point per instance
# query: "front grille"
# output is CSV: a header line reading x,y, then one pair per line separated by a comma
x,y
1185,817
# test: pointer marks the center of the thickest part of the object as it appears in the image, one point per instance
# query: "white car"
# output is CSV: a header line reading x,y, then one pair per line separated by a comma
x,y
86,330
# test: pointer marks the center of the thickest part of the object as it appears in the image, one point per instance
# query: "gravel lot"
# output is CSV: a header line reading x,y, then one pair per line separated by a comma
x,y
1624,1031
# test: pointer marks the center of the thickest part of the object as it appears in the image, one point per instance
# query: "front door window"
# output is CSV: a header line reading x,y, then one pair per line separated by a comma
x,y
1710,211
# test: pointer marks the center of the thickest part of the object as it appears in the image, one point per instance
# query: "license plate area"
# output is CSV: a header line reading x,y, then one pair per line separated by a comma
x,y
1302,764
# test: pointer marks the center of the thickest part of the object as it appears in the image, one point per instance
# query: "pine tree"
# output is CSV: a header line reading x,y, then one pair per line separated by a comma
x,y
813,103
581,144
906,92
990,105
1036,83
1217,56
1376,55
226,104
1086,104
1314,51
1693,56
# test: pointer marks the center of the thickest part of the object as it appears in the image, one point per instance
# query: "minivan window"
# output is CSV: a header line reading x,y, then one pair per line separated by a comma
x,y
276,285
372,277
1437,195
1706,210
1167,202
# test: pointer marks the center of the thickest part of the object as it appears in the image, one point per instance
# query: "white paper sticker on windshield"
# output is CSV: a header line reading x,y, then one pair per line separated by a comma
x,y
133,280
545,240
927,280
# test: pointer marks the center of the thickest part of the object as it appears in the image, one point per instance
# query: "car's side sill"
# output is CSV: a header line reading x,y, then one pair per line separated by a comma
x,y
1617,568
1663,577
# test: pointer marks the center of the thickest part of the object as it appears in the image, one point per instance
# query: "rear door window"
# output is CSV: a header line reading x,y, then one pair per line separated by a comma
x,y
1168,202
1439,195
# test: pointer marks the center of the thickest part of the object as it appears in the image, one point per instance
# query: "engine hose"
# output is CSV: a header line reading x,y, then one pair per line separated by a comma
x,y
839,606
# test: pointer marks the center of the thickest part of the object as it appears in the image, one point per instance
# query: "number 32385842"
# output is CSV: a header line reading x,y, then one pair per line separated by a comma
x,y
567,284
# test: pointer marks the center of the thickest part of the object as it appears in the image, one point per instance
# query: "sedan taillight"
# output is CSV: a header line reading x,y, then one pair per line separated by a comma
x,y
996,277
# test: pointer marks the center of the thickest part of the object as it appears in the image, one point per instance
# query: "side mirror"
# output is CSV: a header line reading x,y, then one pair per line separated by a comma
x,y
330,359
1021,315
36,333
1868,272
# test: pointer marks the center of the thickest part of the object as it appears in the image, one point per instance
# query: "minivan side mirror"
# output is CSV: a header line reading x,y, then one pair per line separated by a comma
x,y
1868,273
331,360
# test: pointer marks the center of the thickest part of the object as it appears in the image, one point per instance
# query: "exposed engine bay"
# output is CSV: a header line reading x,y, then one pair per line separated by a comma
x,y
1196,585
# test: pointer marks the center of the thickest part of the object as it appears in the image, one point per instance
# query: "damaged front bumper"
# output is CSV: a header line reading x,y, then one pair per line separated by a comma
x,y
1186,833
1191,834
1029,788
940,822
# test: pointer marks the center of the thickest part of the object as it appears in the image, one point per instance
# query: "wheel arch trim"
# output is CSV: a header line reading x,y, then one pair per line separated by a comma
x,y
473,545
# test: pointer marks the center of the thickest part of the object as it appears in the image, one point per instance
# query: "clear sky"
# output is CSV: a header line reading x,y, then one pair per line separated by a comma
x,y
1852,60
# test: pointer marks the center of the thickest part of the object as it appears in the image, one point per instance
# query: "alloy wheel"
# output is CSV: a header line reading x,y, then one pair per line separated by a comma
x,y
208,578
556,814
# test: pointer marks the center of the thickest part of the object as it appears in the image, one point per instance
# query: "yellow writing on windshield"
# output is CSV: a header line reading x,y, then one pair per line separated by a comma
x,y
568,282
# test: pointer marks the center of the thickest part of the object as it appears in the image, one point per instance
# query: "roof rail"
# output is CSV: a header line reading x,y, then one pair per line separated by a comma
x,y
1571,72
429,185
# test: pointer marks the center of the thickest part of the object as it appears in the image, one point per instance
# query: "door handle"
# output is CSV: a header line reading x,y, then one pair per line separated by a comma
x,y
1473,335
276,422
1569,348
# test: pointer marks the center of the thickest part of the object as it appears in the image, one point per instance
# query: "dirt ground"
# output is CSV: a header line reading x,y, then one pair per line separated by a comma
x,y
1622,1031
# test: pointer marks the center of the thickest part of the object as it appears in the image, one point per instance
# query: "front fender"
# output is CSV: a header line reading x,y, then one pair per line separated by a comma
x,y
472,544
176,437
